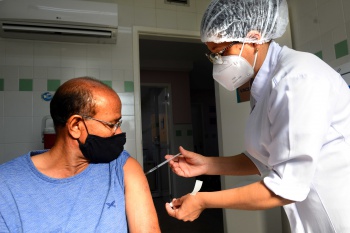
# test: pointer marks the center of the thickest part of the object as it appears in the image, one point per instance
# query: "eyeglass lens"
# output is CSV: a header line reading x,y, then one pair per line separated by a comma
x,y
215,58
114,127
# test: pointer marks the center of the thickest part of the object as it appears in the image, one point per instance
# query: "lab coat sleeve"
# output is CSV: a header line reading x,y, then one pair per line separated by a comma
x,y
263,169
299,115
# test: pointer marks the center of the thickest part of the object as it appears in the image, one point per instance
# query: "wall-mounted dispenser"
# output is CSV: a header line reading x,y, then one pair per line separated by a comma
x,y
48,132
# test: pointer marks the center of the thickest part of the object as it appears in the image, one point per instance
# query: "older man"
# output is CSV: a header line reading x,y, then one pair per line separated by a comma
x,y
87,182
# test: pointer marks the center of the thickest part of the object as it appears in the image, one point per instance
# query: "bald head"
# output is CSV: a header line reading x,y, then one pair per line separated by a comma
x,y
77,96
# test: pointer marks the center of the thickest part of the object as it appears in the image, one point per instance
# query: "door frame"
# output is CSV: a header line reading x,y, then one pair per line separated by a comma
x,y
170,132
155,33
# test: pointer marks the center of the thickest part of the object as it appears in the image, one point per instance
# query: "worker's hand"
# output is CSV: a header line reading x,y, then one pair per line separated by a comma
x,y
186,208
188,164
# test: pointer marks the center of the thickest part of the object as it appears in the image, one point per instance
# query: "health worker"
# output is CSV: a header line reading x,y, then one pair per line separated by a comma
x,y
297,136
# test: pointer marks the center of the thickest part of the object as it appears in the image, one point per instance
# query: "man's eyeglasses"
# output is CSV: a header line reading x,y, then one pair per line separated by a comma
x,y
112,126
215,58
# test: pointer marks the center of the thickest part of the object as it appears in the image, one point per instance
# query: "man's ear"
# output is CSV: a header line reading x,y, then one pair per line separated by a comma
x,y
74,126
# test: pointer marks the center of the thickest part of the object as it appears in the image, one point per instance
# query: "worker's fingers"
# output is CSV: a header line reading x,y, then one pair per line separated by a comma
x,y
176,203
170,210
172,206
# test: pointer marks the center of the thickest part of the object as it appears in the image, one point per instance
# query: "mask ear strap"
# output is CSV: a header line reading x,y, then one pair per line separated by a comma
x,y
256,56
85,126
240,53
86,131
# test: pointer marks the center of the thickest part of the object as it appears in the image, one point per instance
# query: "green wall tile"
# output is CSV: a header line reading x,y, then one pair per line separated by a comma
x,y
341,49
319,54
107,82
178,133
53,84
1,84
128,86
26,85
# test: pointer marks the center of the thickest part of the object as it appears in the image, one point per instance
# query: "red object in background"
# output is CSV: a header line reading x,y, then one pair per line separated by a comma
x,y
49,140
48,132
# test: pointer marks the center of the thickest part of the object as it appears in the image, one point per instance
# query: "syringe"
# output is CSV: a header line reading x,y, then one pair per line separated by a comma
x,y
159,165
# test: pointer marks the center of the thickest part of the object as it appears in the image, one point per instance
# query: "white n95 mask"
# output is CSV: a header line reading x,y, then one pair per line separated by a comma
x,y
234,71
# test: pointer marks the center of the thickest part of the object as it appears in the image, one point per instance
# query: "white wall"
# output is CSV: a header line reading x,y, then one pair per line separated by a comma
x,y
47,63
322,27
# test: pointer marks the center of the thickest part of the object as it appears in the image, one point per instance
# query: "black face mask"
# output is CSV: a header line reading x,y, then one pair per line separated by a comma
x,y
102,150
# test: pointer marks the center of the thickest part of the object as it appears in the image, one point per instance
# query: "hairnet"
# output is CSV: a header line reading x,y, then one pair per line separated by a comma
x,y
233,20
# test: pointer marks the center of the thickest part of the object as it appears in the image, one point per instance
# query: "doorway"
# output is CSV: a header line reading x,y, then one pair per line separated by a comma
x,y
177,89
155,108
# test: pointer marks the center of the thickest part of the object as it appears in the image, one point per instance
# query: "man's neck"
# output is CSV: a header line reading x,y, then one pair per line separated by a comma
x,y
59,164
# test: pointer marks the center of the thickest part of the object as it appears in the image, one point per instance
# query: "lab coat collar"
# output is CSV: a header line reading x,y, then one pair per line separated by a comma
x,y
266,70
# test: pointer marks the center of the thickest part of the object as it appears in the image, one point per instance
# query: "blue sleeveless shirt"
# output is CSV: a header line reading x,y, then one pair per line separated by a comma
x,y
92,201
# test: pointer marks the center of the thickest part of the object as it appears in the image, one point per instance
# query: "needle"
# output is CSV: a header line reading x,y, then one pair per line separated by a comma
x,y
159,165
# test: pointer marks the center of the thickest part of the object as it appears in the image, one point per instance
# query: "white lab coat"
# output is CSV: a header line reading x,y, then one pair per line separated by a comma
x,y
298,135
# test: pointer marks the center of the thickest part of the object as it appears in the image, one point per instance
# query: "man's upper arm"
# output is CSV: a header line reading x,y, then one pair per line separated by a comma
x,y
140,210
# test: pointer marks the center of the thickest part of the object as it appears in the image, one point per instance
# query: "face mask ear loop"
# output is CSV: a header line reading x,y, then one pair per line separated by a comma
x,y
256,56
240,53
86,127
86,131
